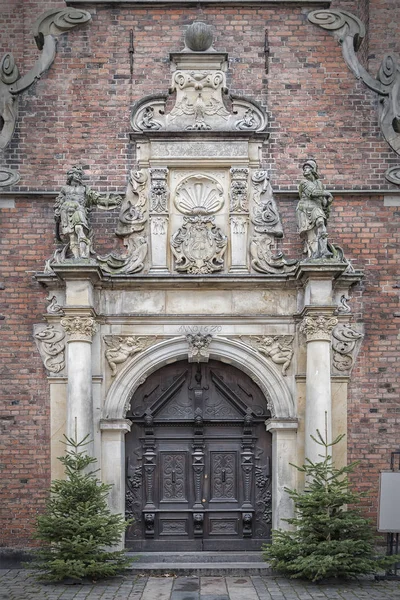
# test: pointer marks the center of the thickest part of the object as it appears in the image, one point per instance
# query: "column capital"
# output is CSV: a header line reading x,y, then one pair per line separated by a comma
x,y
318,327
79,329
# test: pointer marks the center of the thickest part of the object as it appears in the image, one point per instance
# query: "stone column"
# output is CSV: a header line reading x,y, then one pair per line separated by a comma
x,y
79,369
318,329
284,452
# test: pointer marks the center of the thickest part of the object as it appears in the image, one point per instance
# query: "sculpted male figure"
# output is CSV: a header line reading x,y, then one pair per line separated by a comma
x,y
71,210
313,211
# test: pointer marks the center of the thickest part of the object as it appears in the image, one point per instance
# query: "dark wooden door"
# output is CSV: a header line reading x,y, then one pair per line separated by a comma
x,y
198,461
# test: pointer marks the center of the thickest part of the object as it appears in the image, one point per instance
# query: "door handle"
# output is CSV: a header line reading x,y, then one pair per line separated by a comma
x,y
173,476
223,475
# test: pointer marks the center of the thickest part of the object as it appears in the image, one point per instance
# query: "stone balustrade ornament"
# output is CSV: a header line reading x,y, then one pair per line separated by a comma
x,y
318,328
350,32
79,329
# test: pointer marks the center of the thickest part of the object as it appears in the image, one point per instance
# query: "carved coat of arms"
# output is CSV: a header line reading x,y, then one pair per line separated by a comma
x,y
199,245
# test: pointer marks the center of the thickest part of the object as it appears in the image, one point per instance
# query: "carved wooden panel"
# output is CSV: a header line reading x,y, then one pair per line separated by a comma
x,y
223,476
173,477
223,526
173,527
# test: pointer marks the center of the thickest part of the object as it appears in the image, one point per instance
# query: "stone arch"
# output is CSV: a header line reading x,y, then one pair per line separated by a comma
x,y
248,360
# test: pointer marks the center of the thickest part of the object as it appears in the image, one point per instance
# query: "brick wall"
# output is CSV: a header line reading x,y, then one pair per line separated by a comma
x,y
78,112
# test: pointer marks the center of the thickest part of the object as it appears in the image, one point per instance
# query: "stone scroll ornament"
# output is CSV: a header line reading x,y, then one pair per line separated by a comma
x,y
50,342
131,227
71,213
122,347
199,104
199,245
346,342
50,24
350,32
267,227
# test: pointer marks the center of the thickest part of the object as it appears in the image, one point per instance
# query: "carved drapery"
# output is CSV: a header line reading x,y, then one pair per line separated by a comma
x,y
79,329
350,32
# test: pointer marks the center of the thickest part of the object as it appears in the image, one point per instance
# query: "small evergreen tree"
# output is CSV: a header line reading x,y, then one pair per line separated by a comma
x,y
78,529
330,539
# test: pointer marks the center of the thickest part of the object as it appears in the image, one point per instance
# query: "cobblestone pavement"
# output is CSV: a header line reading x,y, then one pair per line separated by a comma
x,y
20,585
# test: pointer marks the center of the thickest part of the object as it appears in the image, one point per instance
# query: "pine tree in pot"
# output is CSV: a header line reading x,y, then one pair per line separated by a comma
x,y
331,538
78,529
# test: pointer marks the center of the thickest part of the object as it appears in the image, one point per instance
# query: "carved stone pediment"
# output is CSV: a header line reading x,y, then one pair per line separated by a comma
x,y
199,86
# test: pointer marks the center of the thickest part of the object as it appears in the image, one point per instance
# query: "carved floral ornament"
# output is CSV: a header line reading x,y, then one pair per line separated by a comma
x,y
79,329
350,32
318,328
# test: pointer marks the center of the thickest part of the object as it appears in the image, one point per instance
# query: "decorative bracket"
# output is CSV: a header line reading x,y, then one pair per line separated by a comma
x,y
350,32
51,23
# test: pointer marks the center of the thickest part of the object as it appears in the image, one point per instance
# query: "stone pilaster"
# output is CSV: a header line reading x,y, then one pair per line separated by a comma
x,y
80,330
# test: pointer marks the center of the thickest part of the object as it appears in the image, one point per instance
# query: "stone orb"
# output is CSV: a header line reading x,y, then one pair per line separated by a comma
x,y
199,36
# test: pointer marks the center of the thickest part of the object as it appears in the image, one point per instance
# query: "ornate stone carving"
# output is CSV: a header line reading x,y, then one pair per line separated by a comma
x,y
239,189
265,258
8,176
51,23
350,32
318,328
122,347
159,192
54,308
133,498
278,348
199,195
313,212
199,246
199,346
71,213
263,497
343,307
51,346
346,341
80,329
131,224
199,89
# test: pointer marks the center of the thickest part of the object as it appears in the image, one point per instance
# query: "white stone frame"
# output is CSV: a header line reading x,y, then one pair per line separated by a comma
x,y
283,425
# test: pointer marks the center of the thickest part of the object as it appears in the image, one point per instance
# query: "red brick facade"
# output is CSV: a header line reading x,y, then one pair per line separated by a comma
x,y
78,112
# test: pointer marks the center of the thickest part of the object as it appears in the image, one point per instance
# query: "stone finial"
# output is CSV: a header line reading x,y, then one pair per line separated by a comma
x,y
80,329
318,328
198,37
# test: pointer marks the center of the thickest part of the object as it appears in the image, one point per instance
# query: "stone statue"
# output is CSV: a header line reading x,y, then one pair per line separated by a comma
x,y
313,212
71,211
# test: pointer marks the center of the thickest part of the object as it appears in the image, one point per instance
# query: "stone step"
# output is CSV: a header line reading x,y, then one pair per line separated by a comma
x,y
197,557
200,564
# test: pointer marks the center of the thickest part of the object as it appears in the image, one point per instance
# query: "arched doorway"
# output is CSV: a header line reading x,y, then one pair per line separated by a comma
x,y
198,460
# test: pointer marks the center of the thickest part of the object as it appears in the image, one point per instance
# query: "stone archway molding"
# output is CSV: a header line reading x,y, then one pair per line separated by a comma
x,y
264,374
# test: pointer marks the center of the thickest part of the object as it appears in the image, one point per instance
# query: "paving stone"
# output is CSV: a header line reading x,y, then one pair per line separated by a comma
x,y
187,584
185,595
214,597
213,585
157,589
